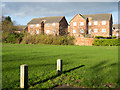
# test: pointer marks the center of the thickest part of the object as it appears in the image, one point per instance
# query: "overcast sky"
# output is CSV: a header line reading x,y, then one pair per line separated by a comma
x,y
23,12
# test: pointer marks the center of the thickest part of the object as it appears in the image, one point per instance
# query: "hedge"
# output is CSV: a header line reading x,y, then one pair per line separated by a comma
x,y
106,42
48,39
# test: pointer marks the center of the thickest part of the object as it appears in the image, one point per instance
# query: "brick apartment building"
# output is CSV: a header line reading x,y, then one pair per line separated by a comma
x,y
91,25
48,25
116,30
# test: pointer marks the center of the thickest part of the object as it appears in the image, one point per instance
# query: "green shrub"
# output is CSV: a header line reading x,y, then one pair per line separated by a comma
x,y
48,39
106,42
14,38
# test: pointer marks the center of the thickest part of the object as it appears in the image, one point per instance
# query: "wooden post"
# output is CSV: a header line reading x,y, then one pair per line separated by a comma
x,y
59,66
23,76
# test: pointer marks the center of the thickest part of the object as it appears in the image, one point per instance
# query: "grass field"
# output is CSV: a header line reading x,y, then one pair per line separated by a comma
x,y
83,66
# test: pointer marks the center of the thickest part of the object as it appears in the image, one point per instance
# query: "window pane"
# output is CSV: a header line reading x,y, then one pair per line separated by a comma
x,y
48,31
81,23
74,23
81,31
47,24
74,31
89,23
53,24
89,31
103,22
95,22
95,30
31,25
37,25
103,30
37,32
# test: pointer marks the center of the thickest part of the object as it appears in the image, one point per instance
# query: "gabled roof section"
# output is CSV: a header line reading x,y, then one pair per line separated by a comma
x,y
76,15
98,17
55,19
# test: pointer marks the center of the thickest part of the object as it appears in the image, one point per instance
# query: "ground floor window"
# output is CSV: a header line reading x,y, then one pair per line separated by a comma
x,y
48,31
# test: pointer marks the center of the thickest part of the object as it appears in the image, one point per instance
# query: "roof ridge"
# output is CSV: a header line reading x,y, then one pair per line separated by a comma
x,y
98,14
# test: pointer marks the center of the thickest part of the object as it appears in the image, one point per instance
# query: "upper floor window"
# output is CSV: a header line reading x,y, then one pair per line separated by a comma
x,y
47,24
103,30
31,25
95,22
103,22
74,24
89,31
81,31
48,31
89,23
53,24
37,25
95,30
81,23
74,31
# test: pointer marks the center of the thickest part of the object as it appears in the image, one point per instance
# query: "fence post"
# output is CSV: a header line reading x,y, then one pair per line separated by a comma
x,y
59,66
24,76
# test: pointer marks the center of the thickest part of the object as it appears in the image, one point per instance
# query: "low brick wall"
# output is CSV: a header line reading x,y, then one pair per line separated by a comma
x,y
84,41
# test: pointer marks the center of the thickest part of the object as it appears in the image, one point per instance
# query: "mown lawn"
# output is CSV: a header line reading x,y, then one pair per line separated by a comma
x,y
83,66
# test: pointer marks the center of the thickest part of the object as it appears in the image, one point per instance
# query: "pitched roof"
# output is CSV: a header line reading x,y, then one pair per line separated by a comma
x,y
105,16
116,26
55,19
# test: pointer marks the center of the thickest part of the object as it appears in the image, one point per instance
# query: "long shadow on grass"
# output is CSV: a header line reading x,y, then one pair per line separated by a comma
x,y
42,81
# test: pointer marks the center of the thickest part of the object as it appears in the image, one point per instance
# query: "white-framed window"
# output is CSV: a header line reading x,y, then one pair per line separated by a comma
x,y
95,30
37,32
31,32
53,31
103,30
103,22
74,31
89,23
81,23
117,30
89,31
37,25
47,31
31,25
117,34
47,24
74,24
53,24
95,22
81,31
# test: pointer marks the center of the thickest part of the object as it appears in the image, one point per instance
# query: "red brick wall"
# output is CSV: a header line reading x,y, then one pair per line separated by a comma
x,y
99,26
51,28
78,27
84,41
